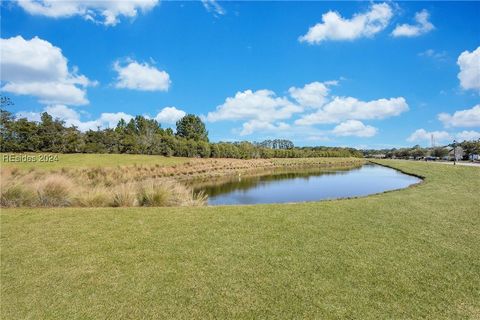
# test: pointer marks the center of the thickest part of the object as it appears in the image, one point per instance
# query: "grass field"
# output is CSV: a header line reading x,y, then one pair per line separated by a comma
x,y
405,254
84,160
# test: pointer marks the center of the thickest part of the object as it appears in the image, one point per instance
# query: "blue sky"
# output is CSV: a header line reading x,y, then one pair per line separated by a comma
x,y
360,74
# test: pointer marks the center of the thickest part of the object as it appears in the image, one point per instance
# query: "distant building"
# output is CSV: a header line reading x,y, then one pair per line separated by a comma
x,y
456,154
474,157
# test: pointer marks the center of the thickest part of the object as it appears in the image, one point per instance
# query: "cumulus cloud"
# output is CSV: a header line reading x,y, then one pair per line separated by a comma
x,y
462,118
36,67
354,128
264,111
141,76
335,27
252,126
422,26
261,105
423,135
469,63
62,112
169,115
110,120
213,6
348,108
468,135
72,117
312,95
30,115
105,12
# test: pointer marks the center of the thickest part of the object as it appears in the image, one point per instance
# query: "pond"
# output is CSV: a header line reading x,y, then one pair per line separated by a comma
x,y
305,185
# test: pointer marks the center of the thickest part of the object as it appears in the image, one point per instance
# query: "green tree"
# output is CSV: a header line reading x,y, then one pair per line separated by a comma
x,y
51,133
471,147
417,152
440,152
191,127
7,121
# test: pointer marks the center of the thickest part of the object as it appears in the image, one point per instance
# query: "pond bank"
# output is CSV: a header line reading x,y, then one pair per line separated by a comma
x,y
134,185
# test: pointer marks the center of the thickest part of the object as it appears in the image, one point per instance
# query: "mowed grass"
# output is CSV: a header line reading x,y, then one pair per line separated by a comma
x,y
405,254
84,160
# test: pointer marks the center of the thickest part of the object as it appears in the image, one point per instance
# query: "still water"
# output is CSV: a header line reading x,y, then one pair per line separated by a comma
x,y
306,185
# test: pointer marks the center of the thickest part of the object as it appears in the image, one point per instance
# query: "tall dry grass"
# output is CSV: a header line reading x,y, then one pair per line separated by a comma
x,y
136,185
54,191
124,195
95,188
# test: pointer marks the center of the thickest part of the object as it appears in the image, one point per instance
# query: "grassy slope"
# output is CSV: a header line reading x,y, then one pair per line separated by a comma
x,y
403,254
79,160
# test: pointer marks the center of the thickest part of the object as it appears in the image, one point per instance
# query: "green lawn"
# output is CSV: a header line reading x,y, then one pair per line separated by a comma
x,y
406,254
79,160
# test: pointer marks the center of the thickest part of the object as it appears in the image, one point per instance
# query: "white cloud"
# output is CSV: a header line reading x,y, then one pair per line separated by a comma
x,y
312,95
348,108
62,112
72,117
169,115
468,135
322,138
141,76
354,128
334,27
469,63
84,126
252,126
106,12
35,67
423,135
30,115
261,105
264,111
462,118
430,53
110,120
49,92
213,6
422,26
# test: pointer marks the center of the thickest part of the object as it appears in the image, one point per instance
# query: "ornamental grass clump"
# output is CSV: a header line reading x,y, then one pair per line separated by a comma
x,y
54,191
96,197
155,194
124,196
16,195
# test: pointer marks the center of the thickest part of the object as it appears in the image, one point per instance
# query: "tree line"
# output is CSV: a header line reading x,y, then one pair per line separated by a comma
x,y
141,135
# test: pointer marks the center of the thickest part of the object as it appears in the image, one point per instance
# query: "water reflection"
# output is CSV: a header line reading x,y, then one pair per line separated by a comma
x,y
280,186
